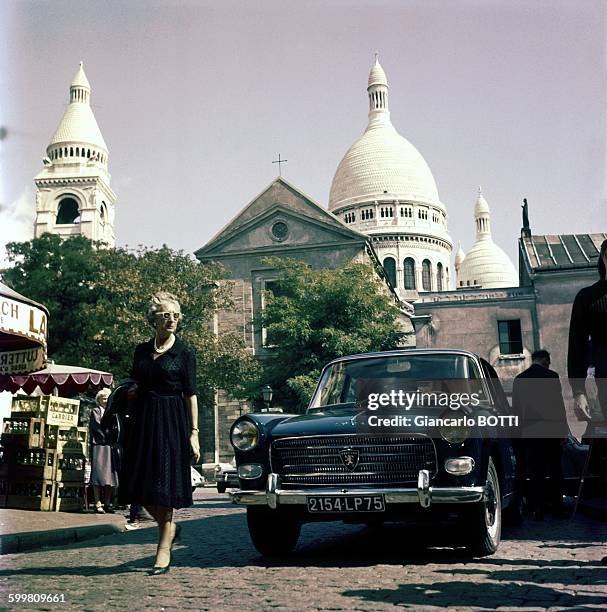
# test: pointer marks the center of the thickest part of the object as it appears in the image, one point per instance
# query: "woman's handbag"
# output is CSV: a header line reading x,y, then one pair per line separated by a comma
x,y
117,421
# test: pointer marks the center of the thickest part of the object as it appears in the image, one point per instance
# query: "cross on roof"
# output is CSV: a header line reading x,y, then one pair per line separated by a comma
x,y
279,161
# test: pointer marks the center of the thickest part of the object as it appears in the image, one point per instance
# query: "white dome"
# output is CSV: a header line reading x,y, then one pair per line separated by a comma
x,y
487,265
380,164
460,255
78,124
377,76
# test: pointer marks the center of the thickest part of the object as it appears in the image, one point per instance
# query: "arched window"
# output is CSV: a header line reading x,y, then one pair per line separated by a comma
x,y
426,275
103,213
409,273
439,276
390,268
68,211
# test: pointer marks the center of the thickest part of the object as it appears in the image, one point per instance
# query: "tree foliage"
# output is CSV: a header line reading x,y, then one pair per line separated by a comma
x,y
98,299
314,316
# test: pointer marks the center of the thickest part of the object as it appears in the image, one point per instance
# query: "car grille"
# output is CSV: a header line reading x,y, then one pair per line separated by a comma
x,y
382,459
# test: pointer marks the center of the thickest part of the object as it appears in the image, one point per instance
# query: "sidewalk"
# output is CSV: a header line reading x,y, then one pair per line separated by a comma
x,y
28,529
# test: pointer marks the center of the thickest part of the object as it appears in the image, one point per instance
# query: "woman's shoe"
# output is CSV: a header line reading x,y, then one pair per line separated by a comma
x,y
109,509
99,509
157,570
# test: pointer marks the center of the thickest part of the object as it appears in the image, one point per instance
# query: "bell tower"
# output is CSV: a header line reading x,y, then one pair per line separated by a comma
x,y
73,193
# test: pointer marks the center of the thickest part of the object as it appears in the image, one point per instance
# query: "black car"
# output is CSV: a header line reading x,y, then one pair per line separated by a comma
x,y
335,463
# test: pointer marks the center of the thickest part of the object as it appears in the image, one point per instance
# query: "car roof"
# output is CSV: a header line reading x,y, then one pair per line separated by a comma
x,y
405,351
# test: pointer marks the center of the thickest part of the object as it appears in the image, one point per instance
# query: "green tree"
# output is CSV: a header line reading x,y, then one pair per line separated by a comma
x,y
314,316
98,298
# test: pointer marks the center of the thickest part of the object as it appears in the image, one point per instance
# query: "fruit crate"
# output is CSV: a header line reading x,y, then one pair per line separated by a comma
x,y
69,497
54,410
28,495
23,431
70,468
67,439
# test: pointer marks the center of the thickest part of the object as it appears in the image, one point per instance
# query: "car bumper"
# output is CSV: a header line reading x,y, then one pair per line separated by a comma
x,y
424,495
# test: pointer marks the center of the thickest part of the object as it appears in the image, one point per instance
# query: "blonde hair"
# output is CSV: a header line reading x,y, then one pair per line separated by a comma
x,y
105,392
157,300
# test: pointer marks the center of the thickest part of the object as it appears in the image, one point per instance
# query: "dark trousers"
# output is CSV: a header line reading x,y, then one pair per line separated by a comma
x,y
134,511
543,458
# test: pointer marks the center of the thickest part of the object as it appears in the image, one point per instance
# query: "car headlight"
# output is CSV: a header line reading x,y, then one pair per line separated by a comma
x,y
456,433
245,435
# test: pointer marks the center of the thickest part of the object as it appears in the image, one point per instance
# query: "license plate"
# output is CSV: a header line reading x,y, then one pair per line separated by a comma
x,y
346,503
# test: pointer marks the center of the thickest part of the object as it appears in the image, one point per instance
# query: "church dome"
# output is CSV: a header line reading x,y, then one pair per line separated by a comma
x,y
381,163
486,265
78,124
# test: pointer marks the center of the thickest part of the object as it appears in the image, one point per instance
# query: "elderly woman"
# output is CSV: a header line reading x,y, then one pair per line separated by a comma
x,y
104,476
164,437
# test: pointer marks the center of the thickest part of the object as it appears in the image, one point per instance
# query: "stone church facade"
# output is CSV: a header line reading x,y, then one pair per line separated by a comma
x,y
281,221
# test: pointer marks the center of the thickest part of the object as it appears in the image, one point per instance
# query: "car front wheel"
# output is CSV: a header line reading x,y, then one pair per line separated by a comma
x,y
273,532
485,530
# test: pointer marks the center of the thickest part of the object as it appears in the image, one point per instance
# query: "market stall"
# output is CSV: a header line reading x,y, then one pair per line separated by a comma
x,y
23,332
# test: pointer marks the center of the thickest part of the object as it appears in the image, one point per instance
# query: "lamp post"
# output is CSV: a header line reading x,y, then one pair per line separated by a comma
x,y
267,394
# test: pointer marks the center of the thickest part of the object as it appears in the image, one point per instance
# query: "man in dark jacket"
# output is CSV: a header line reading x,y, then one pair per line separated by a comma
x,y
588,330
537,399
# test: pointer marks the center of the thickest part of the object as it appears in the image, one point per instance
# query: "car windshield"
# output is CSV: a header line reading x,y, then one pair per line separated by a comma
x,y
352,381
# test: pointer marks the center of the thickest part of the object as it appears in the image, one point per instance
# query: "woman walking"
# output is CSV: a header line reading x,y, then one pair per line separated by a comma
x,y
104,474
164,438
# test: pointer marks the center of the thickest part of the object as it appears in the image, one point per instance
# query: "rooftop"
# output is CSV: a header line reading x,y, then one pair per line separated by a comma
x,y
557,251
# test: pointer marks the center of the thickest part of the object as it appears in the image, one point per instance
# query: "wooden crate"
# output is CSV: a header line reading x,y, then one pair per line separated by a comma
x,y
29,495
67,439
33,464
55,410
23,431
70,468
69,497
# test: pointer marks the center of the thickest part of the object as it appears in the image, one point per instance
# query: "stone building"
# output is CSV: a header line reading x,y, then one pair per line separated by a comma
x,y
73,193
505,325
280,221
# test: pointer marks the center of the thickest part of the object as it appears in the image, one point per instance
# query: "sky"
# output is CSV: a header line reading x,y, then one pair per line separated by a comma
x,y
195,99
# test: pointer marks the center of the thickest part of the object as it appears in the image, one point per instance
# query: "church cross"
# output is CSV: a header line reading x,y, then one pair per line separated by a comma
x,y
279,161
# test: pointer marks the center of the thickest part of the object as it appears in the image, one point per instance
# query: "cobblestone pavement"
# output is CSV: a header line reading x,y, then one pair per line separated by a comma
x,y
551,565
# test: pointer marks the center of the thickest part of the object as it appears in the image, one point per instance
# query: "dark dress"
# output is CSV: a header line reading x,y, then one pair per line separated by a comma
x,y
157,454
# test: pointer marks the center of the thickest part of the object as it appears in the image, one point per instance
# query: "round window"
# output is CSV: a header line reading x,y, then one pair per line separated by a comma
x,y
280,230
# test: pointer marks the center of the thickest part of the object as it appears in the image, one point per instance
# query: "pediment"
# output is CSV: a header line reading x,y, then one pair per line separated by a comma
x,y
307,223
280,228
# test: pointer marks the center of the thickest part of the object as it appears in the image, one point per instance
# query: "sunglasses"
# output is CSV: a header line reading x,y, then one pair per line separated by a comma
x,y
167,316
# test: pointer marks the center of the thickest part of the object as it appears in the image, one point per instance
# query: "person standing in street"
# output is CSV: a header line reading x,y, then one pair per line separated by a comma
x,y
164,436
588,347
537,397
104,475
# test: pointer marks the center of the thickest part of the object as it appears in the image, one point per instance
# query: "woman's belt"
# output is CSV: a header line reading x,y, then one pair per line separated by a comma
x,y
163,393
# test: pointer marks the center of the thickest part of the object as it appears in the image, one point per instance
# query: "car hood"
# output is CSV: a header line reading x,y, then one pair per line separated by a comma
x,y
333,421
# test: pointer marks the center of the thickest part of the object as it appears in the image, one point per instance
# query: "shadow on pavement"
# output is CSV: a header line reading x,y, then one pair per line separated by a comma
x,y
467,594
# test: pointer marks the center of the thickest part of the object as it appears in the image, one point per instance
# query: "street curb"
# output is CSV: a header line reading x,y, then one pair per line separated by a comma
x,y
20,542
